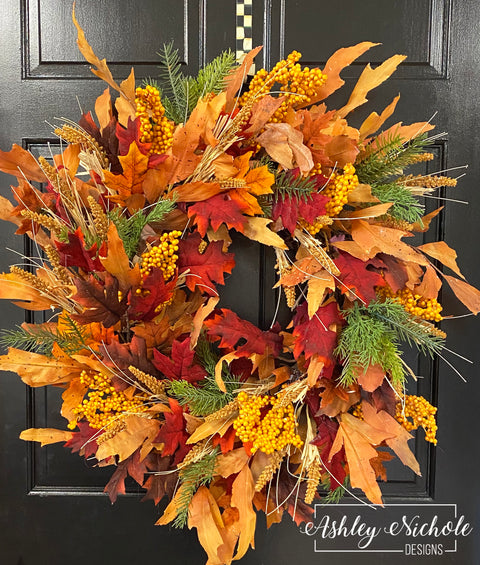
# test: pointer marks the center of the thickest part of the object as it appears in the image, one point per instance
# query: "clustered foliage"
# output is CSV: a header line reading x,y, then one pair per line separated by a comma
x,y
160,378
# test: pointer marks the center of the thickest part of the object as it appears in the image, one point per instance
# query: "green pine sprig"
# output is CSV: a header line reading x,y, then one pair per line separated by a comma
x,y
405,206
288,185
130,228
41,338
181,93
191,478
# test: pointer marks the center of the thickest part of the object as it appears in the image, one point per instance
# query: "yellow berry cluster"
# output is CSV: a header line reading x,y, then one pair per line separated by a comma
x,y
155,127
162,256
337,189
272,432
426,308
299,85
421,413
104,405
319,223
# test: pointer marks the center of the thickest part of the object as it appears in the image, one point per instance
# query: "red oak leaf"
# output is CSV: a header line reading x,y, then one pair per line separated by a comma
x,y
180,365
205,268
82,441
226,441
75,254
217,210
132,466
100,301
231,329
159,485
290,208
153,293
126,136
355,276
326,433
173,433
122,355
314,336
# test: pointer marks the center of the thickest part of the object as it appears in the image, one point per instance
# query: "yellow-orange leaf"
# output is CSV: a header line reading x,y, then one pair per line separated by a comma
x,y
372,378
318,284
211,428
370,79
430,284
256,228
72,397
374,121
196,191
243,491
45,436
38,370
371,212
116,262
199,318
21,164
466,293
335,65
444,253
139,432
204,514
379,239
232,462
358,438
398,442
13,287
102,71
237,77
103,109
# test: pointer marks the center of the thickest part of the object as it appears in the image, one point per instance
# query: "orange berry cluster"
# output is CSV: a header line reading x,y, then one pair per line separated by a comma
x,y
155,127
299,85
421,413
314,228
162,256
272,432
337,189
426,308
104,404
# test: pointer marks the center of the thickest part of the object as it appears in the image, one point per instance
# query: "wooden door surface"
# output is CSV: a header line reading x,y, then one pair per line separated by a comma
x,y
52,508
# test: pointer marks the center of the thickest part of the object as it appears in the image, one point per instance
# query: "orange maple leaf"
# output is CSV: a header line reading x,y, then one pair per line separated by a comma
x,y
135,166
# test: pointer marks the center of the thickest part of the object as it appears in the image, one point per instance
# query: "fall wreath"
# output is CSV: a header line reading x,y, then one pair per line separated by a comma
x,y
134,218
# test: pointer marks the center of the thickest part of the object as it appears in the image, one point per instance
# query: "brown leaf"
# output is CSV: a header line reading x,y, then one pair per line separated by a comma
x,y
45,436
423,225
370,79
211,428
466,293
21,163
358,438
444,253
398,442
374,122
335,65
285,145
231,463
361,193
262,111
